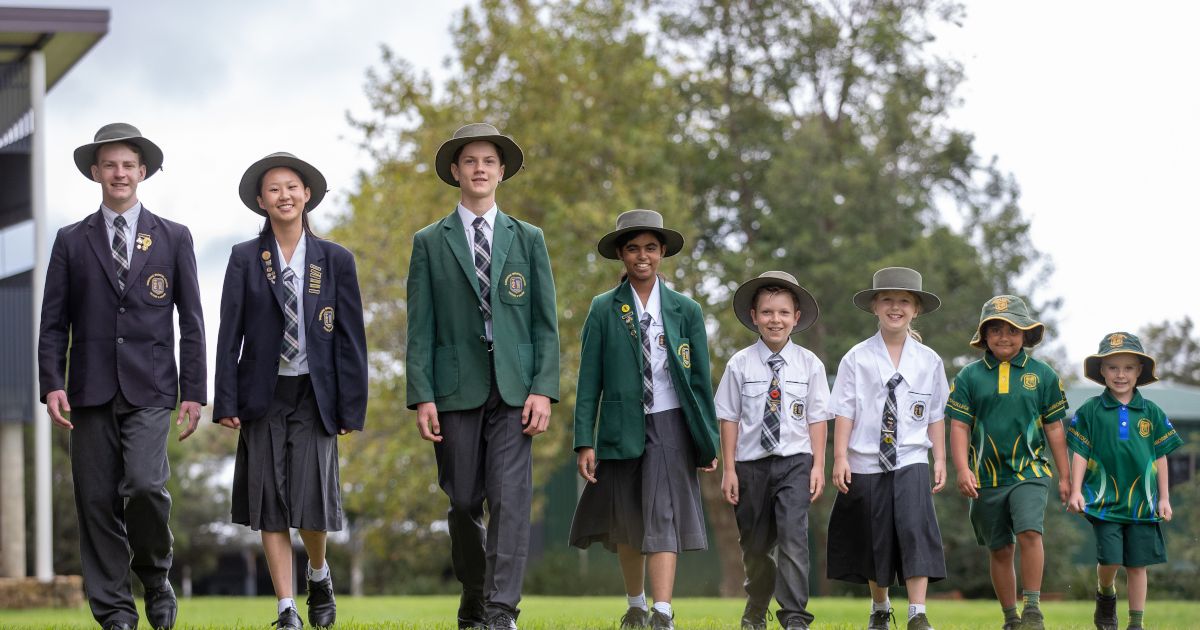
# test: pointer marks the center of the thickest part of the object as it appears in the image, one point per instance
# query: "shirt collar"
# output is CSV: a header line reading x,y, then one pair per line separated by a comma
x,y
991,361
297,261
907,368
652,303
468,218
764,352
1110,402
131,215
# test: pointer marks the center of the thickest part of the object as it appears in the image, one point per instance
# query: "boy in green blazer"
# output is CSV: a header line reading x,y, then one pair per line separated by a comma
x,y
482,368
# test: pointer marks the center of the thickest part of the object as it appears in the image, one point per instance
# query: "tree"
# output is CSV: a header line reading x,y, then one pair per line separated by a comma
x,y
1175,348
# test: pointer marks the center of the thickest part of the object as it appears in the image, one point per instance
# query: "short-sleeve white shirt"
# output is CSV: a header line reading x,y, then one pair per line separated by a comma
x,y
665,397
742,398
860,390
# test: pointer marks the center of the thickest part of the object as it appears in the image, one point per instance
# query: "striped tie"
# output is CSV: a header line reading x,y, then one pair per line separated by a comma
x,y
120,251
291,319
483,267
647,374
770,431
887,437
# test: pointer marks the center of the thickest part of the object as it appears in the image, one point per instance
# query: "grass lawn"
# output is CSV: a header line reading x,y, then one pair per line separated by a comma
x,y
544,613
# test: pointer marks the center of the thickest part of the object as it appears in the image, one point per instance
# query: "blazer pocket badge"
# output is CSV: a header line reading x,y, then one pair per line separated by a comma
x,y
515,283
143,242
157,285
326,317
685,355
268,267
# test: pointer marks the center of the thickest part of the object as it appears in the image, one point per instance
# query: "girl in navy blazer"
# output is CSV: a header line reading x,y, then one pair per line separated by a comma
x,y
291,376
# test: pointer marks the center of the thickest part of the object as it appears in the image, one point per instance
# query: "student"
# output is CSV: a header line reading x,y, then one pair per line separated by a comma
x,y
291,377
114,284
482,368
1119,473
888,400
1007,407
772,402
644,419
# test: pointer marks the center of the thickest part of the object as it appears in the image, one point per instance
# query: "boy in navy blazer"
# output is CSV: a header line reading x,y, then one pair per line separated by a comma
x,y
114,283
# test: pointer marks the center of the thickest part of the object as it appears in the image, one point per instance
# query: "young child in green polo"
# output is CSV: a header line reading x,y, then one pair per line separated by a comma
x,y
1120,442
1006,408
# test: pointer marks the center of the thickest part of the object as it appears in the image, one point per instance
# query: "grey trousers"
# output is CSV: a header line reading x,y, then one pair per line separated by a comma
x,y
772,516
119,466
484,455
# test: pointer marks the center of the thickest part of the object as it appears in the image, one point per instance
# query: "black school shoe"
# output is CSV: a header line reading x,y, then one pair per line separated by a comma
x,y
635,618
1105,617
322,609
879,619
1032,619
289,619
659,621
161,607
502,621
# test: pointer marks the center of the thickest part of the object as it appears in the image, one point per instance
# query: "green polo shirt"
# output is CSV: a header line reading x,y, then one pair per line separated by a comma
x,y
1006,403
1121,444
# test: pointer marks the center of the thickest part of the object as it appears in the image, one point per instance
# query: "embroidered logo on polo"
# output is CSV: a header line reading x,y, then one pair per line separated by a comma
x,y
268,267
918,409
157,284
797,410
1030,381
326,317
143,242
1116,340
685,355
314,279
1144,427
1000,304
515,283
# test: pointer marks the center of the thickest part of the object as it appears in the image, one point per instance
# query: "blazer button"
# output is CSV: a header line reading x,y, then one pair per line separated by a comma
x,y
121,310
120,340
483,338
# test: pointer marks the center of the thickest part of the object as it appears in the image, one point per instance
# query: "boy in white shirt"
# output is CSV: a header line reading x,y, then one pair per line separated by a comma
x,y
889,400
772,404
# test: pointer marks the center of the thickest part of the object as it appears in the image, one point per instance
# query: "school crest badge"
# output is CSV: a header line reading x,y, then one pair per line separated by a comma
x,y
1144,427
1030,381
326,317
1000,304
662,341
515,283
143,242
685,355
157,285
918,410
1116,340
797,410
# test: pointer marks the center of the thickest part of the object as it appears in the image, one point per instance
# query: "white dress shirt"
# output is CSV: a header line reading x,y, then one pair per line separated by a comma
x,y
742,397
131,218
665,397
860,391
299,365
468,219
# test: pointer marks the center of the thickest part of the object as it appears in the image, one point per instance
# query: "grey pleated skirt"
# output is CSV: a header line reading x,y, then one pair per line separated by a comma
x,y
286,471
651,503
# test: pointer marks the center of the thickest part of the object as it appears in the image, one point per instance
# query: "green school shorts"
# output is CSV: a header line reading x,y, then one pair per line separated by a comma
x,y
999,514
1128,544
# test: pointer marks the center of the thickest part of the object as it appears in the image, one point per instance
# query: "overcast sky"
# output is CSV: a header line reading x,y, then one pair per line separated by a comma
x,y
1088,104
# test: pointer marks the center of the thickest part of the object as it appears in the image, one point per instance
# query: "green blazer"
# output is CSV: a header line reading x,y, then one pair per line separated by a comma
x,y
608,400
447,356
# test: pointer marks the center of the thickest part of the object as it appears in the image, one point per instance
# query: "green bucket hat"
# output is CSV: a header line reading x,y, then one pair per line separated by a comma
x,y
248,188
639,221
743,299
1013,310
474,132
897,279
1120,343
152,156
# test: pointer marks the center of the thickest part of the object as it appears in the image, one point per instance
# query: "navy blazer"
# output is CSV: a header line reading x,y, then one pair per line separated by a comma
x,y
251,333
122,340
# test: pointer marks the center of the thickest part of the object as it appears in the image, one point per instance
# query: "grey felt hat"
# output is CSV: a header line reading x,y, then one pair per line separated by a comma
x,y
743,299
474,132
897,279
248,188
639,221
152,156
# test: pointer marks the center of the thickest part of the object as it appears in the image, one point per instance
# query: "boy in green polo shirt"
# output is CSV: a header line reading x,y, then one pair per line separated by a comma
x,y
1006,408
1119,473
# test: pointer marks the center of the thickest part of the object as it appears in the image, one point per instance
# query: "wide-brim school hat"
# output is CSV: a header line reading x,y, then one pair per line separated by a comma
x,y
639,221
152,156
1013,310
513,158
743,299
1120,343
248,188
897,279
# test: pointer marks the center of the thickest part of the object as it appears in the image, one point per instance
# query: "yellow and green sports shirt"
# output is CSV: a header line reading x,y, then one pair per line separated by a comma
x,y
1006,403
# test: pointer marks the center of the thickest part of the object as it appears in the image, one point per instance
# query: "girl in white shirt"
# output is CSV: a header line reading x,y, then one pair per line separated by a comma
x,y
889,399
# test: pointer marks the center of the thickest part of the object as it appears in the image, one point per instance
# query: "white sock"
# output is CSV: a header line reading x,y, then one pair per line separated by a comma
x,y
637,601
663,607
316,575
286,603
882,606
915,609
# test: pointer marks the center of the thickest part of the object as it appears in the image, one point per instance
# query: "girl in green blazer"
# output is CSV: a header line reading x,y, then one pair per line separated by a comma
x,y
644,419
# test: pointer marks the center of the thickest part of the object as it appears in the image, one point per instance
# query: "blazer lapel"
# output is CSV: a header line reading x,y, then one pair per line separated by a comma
x,y
314,264
502,237
98,237
147,224
456,238
626,313
271,267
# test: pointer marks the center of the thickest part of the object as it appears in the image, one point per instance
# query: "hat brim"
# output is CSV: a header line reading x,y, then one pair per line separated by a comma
x,y
929,301
743,301
248,188
152,156
672,240
514,158
1091,367
1035,329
